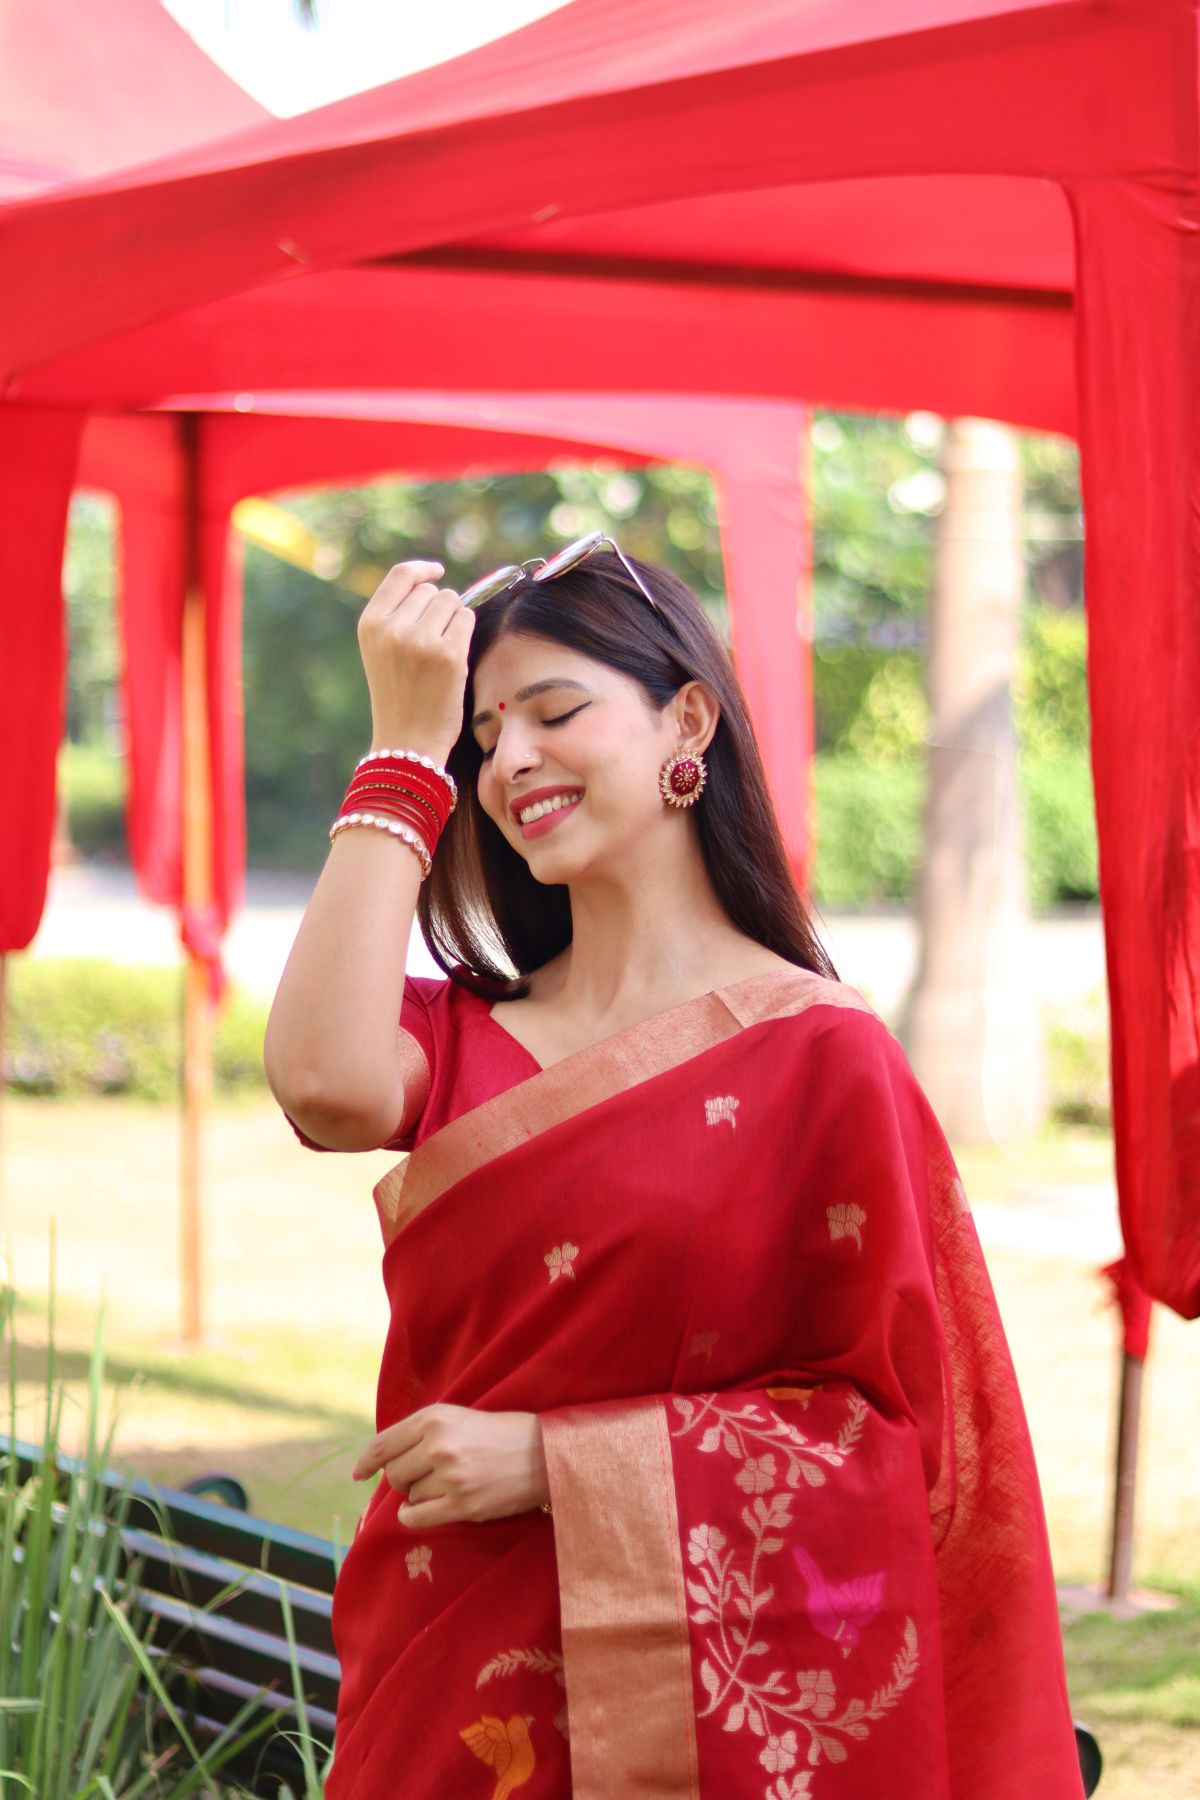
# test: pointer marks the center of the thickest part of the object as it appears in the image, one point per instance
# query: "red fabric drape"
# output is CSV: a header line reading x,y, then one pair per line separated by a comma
x,y
38,453
1139,387
139,461
755,450
762,232
804,1434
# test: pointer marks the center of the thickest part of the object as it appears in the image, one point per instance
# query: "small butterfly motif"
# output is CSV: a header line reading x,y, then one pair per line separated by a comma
x,y
720,1110
559,1261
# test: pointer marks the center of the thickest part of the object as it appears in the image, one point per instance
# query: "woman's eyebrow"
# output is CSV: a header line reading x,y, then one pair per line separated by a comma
x,y
527,693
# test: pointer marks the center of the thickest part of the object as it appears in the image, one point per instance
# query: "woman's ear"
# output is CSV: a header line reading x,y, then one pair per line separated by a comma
x,y
697,711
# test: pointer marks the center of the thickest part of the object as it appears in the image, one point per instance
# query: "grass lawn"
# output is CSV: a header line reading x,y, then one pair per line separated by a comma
x,y
282,1393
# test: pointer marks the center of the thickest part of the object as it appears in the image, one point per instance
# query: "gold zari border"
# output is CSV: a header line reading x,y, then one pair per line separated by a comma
x,y
624,1605
590,1076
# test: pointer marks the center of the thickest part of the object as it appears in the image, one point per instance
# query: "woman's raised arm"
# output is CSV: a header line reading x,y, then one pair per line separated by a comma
x,y
331,1052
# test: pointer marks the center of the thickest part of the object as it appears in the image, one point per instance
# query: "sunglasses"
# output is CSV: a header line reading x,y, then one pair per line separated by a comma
x,y
541,568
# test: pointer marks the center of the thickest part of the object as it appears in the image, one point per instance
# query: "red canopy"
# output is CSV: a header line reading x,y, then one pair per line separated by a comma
x,y
87,89
882,203
753,449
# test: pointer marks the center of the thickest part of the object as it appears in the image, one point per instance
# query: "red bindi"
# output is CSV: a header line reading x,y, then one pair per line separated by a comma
x,y
501,706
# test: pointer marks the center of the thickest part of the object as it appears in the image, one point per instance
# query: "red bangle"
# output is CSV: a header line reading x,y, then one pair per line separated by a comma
x,y
436,803
394,809
378,784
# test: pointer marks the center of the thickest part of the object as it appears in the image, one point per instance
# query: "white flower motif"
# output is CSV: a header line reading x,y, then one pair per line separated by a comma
x,y
703,1541
417,1561
816,1692
720,1109
778,1754
796,1789
846,1221
559,1260
757,1474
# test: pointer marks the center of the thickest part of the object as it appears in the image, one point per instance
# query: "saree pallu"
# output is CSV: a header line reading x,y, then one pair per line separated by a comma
x,y
797,1546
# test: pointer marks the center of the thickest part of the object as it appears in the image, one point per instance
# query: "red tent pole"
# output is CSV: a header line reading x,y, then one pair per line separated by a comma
x,y
197,848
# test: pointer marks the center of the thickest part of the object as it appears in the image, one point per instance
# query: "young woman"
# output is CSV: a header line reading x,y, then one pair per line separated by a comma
x,y
700,1468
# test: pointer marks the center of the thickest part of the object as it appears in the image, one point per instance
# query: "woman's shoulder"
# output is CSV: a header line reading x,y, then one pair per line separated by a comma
x,y
787,991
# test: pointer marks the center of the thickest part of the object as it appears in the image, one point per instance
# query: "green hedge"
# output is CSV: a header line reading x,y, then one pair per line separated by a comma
x,y
80,1026
93,786
869,830
84,1026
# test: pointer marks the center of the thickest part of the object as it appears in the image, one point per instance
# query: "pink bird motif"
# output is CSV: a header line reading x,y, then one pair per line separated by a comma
x,y
839,1609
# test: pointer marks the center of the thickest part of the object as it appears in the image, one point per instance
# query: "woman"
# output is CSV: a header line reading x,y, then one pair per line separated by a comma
x,y
700,1465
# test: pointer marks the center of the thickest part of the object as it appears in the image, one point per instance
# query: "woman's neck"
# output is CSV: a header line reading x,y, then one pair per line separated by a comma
x,y
663,935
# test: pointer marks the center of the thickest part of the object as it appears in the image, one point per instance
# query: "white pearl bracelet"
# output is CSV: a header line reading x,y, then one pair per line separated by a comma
x,y
413,756
393,827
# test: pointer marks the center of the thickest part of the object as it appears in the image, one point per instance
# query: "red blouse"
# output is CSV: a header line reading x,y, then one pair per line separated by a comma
x,y
469,1055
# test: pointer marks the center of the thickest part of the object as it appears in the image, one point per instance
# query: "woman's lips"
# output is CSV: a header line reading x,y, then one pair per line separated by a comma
x,y
547,822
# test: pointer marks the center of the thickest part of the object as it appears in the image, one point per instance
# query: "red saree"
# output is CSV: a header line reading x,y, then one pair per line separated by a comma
x,y
797,1546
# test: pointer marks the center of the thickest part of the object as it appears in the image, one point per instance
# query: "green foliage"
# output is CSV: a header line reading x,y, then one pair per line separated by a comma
x,y
85,1026
868,830
1077,1060
93,706
92,781
1050,698
76,1674
876,488
869,825
892,721
1060,829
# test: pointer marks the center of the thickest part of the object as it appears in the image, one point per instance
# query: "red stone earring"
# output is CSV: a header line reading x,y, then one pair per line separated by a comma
x,y
681,779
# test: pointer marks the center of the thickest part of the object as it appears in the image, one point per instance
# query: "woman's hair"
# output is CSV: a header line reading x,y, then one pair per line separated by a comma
x,y
481,906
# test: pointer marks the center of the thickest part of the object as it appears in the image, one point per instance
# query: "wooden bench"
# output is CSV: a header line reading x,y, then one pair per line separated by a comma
x,y
191,1551
212,1576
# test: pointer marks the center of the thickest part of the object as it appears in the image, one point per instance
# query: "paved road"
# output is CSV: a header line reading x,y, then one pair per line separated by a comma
x,y
96,912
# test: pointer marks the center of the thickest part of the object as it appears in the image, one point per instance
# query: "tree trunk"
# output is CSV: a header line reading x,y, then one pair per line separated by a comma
x,y
971,1024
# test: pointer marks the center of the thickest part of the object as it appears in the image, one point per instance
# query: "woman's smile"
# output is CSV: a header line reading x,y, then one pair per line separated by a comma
x,y
544,815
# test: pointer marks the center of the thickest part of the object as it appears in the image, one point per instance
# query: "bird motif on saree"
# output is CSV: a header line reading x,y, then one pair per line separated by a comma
x,y
507,1748
839,1609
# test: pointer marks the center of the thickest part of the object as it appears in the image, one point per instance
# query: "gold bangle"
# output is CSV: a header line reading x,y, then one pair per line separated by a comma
x,y
394,828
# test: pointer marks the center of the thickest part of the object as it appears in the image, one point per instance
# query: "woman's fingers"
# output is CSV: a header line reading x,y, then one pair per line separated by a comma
x,y
414,654
418,1515
405,580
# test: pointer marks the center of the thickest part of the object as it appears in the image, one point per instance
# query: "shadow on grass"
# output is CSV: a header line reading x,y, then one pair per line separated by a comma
x,y
195,1379
300,1482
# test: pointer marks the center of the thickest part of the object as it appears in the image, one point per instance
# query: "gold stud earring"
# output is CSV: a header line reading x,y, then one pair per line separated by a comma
x,y
681,779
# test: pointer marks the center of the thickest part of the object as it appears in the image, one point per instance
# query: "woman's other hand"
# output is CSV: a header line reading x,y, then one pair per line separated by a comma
x,y
413,637
457,1463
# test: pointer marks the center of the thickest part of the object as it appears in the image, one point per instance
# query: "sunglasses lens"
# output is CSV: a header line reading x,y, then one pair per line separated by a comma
x,y
490,585
573,553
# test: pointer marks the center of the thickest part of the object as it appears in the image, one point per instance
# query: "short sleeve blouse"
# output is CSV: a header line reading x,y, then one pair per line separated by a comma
x,y
467,1055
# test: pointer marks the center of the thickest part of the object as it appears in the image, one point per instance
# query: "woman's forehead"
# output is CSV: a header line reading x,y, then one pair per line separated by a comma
x,y
518,658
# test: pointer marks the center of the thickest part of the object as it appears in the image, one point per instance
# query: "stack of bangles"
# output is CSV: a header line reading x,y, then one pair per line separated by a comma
x,y
404,794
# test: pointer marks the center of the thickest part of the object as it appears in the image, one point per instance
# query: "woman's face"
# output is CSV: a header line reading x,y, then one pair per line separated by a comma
x,y
559,729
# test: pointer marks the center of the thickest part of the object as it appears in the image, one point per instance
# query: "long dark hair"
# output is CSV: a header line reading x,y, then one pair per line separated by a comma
x,y
481,907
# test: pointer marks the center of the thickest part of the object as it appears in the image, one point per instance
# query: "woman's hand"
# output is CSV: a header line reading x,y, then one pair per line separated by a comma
x,y
413,637
456,1463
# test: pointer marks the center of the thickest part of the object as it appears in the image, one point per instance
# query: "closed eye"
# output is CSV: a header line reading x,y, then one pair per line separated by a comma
x,y
561,720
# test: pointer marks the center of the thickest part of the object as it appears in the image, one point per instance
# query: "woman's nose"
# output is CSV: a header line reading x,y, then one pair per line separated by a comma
x,y
514,756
